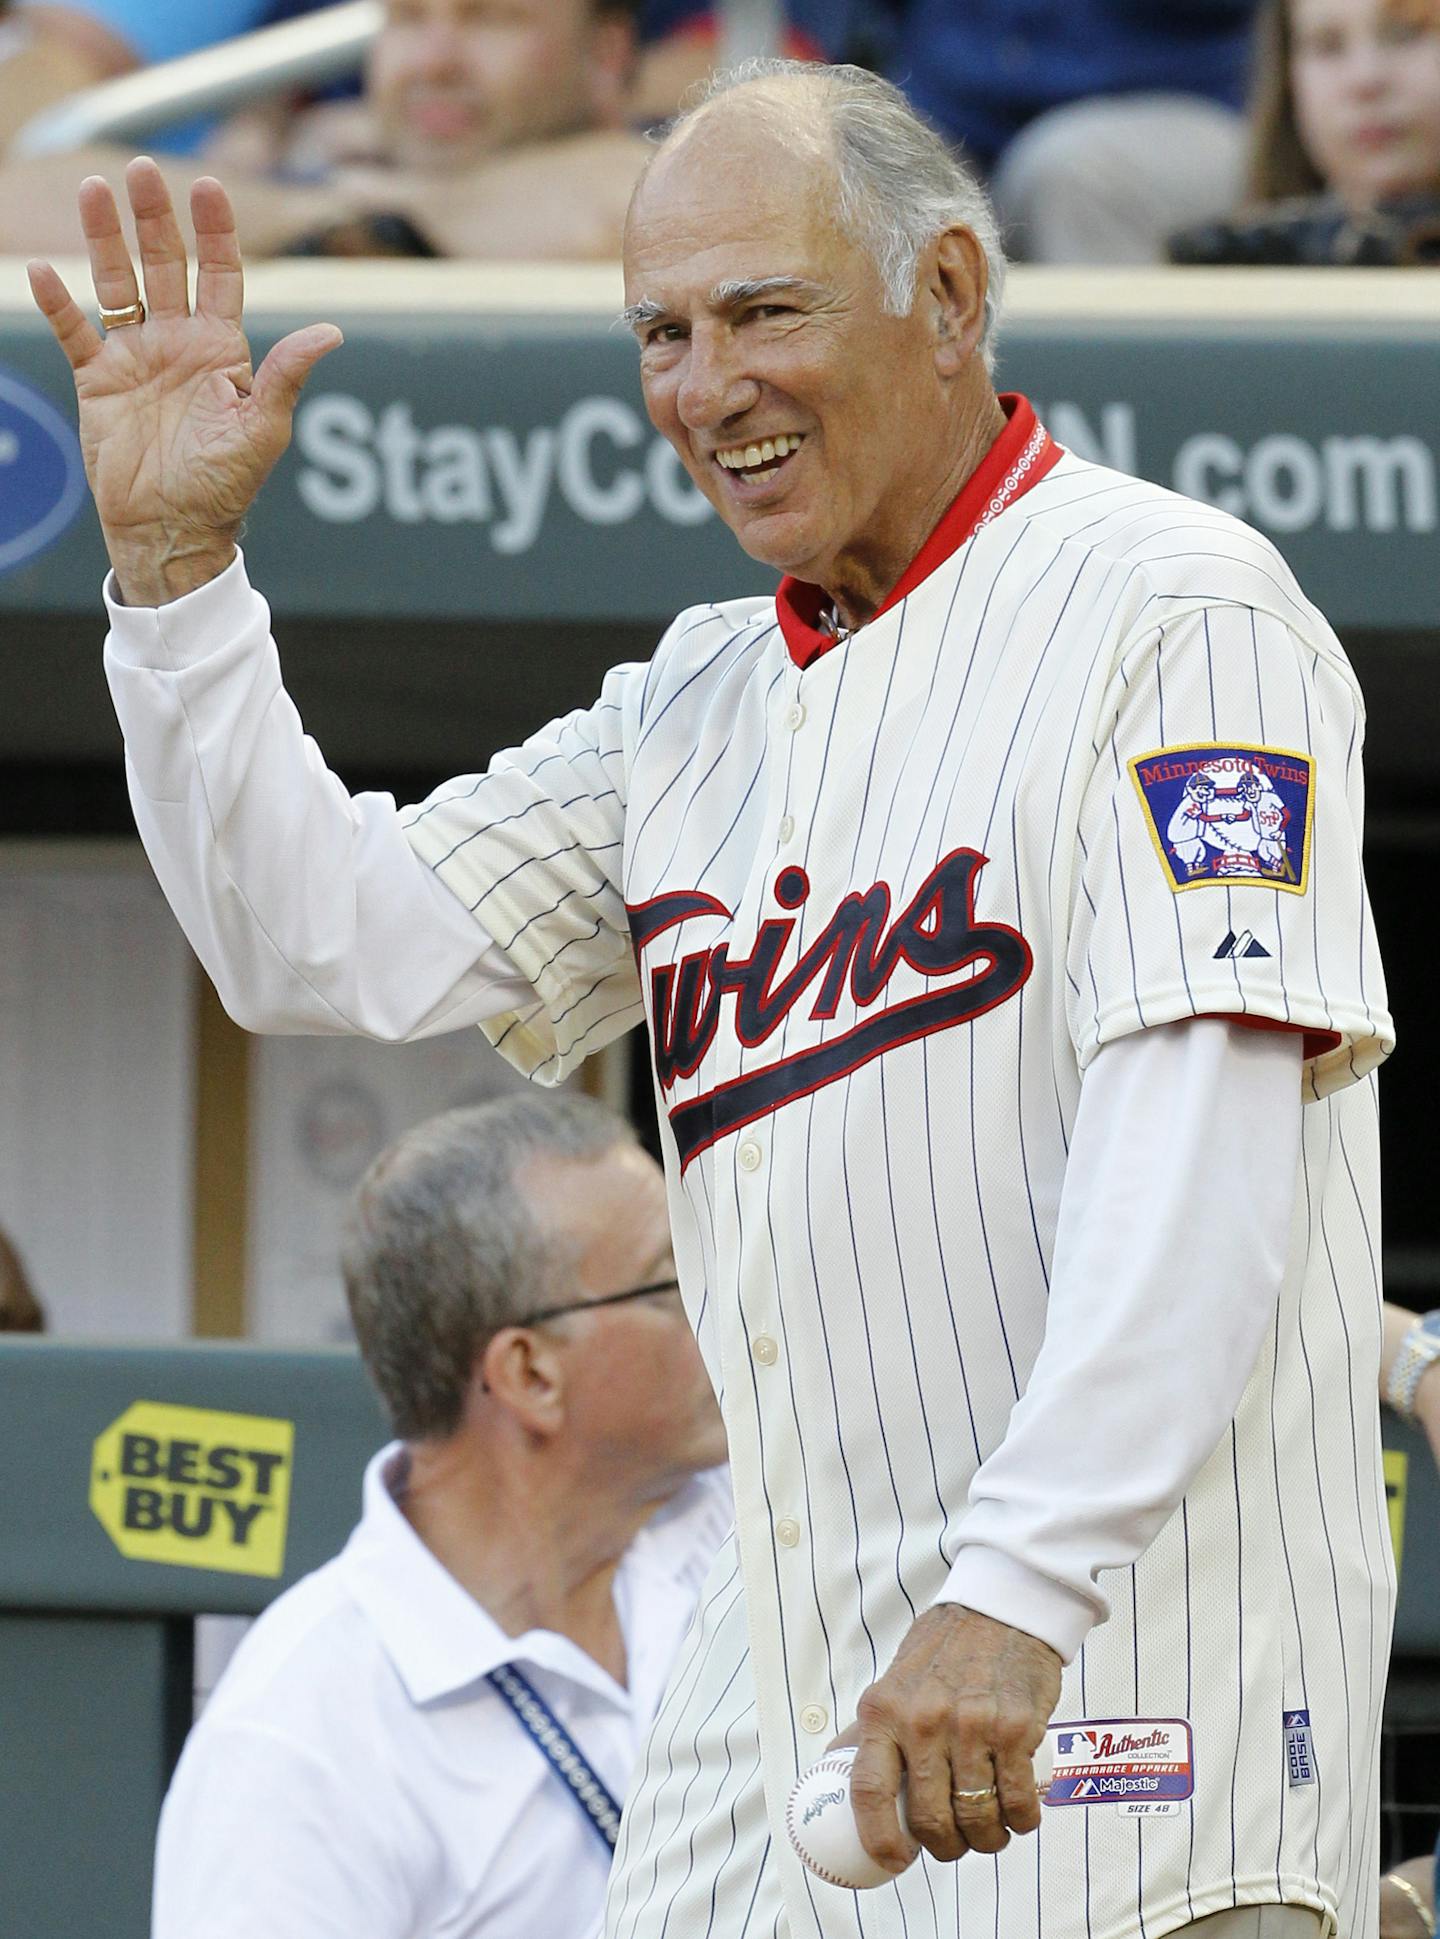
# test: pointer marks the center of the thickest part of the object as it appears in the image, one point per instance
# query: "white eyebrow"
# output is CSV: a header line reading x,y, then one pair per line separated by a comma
x,y
725,296
636,315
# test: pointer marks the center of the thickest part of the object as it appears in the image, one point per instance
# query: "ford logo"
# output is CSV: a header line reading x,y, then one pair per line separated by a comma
x,y
42,480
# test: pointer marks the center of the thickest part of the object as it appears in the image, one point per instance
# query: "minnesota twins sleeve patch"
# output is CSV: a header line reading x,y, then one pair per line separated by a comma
x,y
1229,813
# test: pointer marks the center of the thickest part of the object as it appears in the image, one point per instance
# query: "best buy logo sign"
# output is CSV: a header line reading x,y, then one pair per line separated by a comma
x,y
199,1489
1397,1463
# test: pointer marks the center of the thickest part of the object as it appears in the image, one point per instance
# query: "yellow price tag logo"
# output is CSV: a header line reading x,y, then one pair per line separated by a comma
x,y
1397,1463
193,1488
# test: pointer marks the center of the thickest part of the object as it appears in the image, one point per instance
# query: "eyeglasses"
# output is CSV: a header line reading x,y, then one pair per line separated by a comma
x,y
589,1305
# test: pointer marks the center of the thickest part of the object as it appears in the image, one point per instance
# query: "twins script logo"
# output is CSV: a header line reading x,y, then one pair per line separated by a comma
x,y
859,950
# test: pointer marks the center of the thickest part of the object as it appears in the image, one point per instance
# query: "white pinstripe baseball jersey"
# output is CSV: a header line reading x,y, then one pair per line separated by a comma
x,y
1094,769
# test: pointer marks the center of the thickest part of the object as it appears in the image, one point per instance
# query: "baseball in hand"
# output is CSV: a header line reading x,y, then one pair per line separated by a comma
x,y
821,1825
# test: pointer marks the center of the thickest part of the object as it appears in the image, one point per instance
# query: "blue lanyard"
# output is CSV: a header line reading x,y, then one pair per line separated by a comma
x,y
562,1753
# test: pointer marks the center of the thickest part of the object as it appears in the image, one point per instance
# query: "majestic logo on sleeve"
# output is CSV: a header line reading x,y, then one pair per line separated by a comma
x,y
855,954
1229,813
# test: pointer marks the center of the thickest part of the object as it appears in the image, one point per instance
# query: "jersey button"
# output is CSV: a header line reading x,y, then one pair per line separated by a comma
x,y
749,1155
795,716
814,1717
765,1350
787,1533
787,828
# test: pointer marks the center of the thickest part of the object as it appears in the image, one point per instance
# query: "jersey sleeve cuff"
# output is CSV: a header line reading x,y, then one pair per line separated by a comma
x,y
1010,1592
1316,1043
167,638
1342,1043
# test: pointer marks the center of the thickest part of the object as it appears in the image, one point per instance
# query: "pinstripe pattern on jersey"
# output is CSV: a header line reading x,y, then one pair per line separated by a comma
x,y
867,1266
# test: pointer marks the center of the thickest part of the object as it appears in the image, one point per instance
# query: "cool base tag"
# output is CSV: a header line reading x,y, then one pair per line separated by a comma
x,y
1299,1748
1143,1765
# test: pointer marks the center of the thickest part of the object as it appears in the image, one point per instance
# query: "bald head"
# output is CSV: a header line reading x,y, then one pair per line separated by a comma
x,y
853,144
785,112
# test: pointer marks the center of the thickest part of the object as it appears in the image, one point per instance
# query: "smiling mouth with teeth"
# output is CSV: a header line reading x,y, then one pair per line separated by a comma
x,y
762,459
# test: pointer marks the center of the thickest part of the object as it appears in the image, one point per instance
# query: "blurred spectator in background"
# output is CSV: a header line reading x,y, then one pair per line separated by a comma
x,y
20,1311
382,1758
82,42
1410,1368
37,68
1407,1900
114,37
684,41
1104,124
487,128
1345,164
1410,1383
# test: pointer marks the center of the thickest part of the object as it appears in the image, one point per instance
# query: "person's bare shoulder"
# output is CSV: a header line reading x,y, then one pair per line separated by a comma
x,y
559,200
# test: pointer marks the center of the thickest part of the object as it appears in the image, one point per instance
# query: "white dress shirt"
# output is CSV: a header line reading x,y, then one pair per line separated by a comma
x,y
356,1776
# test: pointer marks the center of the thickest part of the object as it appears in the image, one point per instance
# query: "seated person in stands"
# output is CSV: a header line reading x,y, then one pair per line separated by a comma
x,y
37,68
485,130
1103,124
1410,1383
1410,1368
20,1311
382,1757
1346,139
62,46
59,46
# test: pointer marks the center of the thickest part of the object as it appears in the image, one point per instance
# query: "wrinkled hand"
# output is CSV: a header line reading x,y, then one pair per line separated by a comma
x,y
178,432
961,1709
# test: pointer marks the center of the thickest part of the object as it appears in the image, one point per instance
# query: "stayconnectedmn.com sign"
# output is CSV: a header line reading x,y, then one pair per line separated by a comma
x,y
603,463
600,460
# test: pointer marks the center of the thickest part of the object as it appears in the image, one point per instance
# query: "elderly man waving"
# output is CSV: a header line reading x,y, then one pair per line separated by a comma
x,y
1042,1307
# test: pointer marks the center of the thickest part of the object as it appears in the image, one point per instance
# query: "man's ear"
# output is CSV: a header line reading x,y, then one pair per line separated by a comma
x,y
523,1373
956,279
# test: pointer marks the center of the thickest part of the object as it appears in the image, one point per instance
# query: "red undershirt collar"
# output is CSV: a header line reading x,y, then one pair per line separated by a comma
x,y
1019,458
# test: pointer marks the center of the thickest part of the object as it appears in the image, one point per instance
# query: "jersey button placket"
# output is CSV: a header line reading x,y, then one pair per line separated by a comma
x,y
814,1718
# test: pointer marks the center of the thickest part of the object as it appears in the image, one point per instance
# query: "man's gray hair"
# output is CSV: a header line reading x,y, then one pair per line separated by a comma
x,y
899,183
442,1247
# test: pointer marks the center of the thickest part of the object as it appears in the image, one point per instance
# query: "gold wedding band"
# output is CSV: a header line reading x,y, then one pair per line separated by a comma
x,y
974,1797
119,319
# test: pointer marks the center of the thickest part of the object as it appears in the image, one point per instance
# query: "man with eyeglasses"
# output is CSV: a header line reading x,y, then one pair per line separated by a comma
x,y
434,1733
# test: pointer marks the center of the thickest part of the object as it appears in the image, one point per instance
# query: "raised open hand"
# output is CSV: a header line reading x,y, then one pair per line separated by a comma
x,y
177,431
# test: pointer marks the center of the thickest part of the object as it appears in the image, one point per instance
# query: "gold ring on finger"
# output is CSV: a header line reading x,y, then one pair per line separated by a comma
x,y
122,318
974,1797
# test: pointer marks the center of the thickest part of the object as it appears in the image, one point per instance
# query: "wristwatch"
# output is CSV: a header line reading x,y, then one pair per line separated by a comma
x,y
1419,1350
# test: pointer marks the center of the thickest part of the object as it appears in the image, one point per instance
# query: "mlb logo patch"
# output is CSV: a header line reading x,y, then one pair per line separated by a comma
x,y
1229,813
1143,1765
